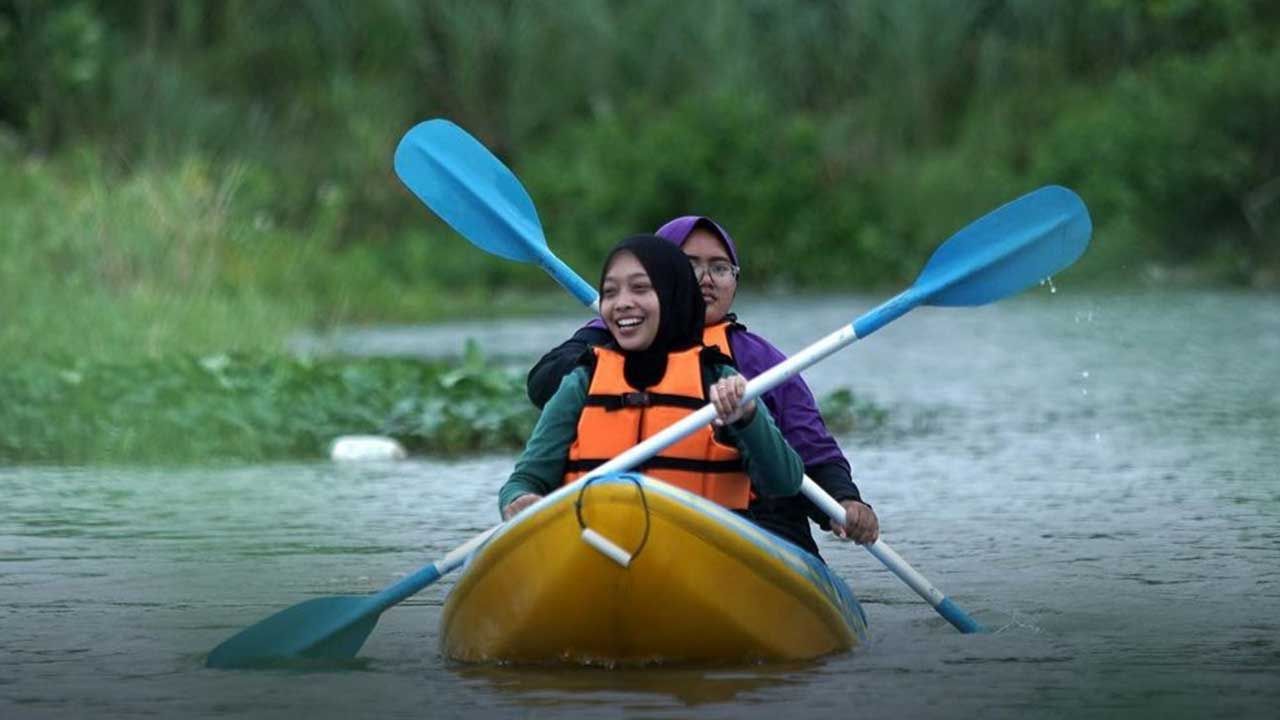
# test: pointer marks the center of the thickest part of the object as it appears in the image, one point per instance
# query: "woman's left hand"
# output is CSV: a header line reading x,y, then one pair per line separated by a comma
x,y
860,523
726,395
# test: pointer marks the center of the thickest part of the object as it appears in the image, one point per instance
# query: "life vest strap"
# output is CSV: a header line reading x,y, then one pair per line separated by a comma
x,y
643,398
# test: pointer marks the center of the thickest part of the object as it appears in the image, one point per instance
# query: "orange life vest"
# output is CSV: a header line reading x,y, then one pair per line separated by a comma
x,y
617,417
717,336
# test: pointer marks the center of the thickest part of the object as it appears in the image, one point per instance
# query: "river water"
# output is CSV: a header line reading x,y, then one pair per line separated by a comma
x,y
1094,477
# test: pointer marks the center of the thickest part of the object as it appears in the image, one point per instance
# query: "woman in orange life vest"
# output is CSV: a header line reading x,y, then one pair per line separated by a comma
x,y
655,372
791,405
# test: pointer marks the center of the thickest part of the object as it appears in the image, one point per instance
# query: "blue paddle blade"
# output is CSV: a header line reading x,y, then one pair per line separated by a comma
x,y
331,628
1008,249
470,189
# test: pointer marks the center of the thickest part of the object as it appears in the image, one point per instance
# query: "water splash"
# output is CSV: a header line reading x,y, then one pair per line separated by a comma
x,y
1014,621
1048,281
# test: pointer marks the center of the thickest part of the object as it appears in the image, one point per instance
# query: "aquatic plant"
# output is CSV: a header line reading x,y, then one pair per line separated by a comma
x,y
255,408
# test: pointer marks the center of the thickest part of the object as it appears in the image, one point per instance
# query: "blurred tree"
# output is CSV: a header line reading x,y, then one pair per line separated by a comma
x,y
810,122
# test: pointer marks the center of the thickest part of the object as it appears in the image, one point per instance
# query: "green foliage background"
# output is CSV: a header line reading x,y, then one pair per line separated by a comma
x,y
226,163
187,178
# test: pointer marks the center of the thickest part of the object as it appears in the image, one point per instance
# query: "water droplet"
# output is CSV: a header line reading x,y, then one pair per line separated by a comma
x,y
1084,373
1097,437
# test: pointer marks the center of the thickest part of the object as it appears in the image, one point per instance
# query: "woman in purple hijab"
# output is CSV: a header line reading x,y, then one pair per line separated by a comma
x,y
715,260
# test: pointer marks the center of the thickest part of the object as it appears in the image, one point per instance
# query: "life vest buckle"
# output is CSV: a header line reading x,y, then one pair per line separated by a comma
x,y
636,399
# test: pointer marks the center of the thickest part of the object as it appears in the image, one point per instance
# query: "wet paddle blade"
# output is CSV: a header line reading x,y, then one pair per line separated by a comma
x,y
329,627
470,189
1008,249
999,254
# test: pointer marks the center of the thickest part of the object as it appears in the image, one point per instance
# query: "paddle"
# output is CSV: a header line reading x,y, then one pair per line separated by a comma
x,y
329,627
1005,251
478,196
994,257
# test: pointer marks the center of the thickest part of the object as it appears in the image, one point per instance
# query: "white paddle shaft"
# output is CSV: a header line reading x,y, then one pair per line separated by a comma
x,y
880,549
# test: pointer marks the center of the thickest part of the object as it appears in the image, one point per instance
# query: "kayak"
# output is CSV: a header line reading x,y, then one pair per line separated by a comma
x,y
628,570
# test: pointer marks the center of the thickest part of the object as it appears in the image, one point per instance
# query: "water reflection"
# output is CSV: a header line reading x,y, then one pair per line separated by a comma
x,y
542,686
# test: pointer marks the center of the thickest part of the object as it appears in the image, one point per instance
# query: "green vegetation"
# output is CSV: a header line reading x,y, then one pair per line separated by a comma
x,y
230,407
226,408
846,413
193,178
171,260
201,176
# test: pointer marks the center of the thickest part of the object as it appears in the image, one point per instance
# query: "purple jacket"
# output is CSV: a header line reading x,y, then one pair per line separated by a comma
x,y
791,404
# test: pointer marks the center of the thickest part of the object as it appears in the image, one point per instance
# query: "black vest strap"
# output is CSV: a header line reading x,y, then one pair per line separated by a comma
x,y
643,399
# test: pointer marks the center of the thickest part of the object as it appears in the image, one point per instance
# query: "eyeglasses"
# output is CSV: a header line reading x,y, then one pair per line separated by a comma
x,y
719,270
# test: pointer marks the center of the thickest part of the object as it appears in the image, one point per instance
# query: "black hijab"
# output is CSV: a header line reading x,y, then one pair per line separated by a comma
x,y
682,310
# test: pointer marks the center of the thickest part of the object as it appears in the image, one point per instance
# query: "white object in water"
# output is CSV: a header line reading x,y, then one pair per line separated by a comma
x,y
366,447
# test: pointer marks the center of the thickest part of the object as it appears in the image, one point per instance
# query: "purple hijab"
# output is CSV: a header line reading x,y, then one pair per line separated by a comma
x,y
679,230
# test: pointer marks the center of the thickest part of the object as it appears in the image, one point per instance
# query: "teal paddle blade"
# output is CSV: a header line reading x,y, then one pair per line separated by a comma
x,y
329,627
1008,249
470,189
345,643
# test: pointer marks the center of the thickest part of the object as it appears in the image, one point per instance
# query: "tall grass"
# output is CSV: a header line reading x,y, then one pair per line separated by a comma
x,y
175,259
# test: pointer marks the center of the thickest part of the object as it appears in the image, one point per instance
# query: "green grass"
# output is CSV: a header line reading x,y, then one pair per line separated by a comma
x,y
178,260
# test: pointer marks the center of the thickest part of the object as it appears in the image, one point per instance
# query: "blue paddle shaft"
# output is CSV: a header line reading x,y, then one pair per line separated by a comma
x,y
887,312
568,279
411,584
958,618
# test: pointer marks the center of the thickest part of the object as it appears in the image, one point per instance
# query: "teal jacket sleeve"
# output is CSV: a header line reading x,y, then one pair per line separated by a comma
x,y
540,467
773,466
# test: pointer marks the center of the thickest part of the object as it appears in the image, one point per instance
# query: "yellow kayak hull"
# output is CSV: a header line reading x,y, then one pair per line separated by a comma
x,y
703,585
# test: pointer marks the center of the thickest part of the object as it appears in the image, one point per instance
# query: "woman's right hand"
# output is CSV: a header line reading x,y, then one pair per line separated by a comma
x,y
725,395
514,507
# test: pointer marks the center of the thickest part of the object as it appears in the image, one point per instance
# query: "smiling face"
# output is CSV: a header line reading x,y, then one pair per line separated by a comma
x,y
703,249
629,304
